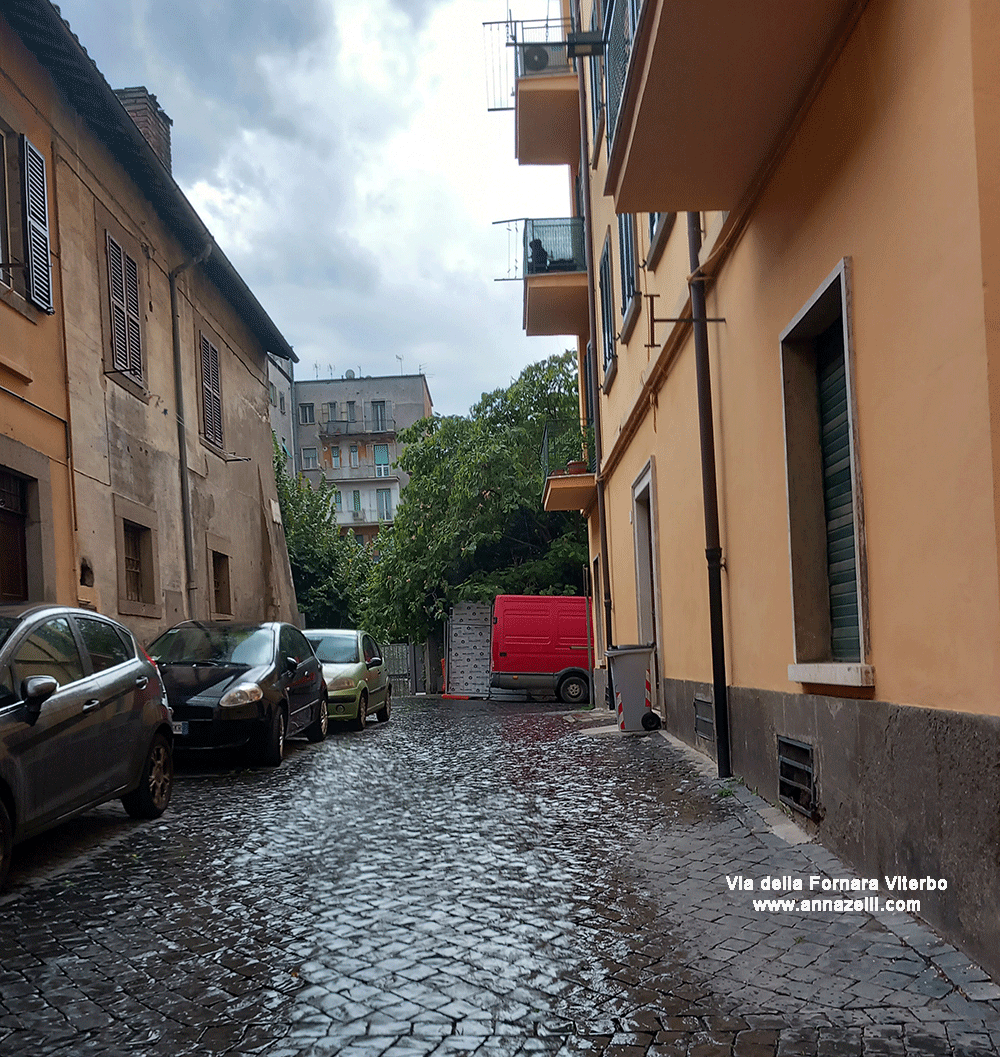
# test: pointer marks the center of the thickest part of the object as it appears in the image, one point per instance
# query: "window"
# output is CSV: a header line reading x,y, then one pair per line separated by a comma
x,y
629,268
136,540
307,414
13,538
381,460
378,416
383,499
49,650
274,394
354,455
281,402
826,540
310,460
103,643
338,502
351,411
221,597
335,458
357,501
211,392
607,310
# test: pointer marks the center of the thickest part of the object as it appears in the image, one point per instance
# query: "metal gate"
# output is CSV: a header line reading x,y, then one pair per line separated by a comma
x,y
397,664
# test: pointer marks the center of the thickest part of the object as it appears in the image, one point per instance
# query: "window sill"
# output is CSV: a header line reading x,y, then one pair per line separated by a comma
x,y
664,226
11,297
17,369
609,375
129,384
832,674
126,607
630,318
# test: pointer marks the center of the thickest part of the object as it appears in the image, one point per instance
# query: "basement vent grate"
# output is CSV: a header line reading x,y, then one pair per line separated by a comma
x,y
796,776
704,717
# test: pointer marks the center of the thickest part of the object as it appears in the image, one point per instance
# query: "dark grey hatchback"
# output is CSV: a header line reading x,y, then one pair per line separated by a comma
x,y
83,719
231,685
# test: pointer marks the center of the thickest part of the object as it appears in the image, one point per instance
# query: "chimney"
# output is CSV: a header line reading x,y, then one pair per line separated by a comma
x,y
151,121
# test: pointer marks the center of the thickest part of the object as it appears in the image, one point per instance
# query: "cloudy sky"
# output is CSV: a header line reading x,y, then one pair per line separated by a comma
x,y
342,155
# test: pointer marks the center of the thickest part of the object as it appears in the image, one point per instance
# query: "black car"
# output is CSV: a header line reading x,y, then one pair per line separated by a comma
x,y
83,720
232,685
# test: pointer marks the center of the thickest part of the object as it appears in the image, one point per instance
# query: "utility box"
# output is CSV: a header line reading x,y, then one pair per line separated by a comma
x,y
632,679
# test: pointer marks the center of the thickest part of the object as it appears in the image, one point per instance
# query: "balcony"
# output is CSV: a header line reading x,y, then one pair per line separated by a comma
x,y
549,256
700,93
570,475
370,425
532,73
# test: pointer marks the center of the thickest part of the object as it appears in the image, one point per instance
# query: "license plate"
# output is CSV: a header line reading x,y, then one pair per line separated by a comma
x,y
180,726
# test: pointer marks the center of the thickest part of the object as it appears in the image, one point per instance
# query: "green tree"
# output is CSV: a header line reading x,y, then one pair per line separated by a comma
x,y
470,524
329,571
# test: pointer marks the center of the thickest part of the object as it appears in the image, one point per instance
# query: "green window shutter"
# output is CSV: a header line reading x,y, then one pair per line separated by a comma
x,y
211,388
36,227
838,498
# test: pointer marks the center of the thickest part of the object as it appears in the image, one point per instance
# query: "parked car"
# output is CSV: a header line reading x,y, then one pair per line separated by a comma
x,y
356,680
83,720
233,685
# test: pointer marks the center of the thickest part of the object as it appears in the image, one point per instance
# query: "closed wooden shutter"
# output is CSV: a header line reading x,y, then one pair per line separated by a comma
x,y
36,217
838,497
123,290
211,389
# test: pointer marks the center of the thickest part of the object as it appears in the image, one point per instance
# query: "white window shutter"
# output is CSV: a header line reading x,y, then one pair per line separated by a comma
x,y
36,216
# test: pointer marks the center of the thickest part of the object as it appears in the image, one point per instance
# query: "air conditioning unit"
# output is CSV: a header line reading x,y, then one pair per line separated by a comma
x,y
537,58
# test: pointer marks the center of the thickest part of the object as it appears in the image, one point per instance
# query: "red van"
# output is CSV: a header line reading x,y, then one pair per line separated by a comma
x,y
540,642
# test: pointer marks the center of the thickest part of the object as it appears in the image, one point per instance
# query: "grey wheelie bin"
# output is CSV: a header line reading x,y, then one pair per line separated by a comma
x,y
632,679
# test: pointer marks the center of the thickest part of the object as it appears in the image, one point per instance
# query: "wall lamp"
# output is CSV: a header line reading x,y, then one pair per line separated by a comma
x,y
584,43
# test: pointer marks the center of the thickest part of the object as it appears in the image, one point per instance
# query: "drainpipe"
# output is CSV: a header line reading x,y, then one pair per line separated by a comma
x,y
182,462
710,492
591,353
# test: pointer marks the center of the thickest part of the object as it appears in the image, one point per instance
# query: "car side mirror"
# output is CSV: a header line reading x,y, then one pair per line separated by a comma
x,y
374,662
291,664
37,689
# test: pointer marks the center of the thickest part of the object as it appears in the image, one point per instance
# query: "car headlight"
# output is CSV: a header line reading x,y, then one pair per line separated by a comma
x,y
243,694
342,682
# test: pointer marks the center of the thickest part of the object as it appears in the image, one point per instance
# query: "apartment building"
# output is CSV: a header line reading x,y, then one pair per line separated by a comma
x,y
347,431
135,453
787,323
280,386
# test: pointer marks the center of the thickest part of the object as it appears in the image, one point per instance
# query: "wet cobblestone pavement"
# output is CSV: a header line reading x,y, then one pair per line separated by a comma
x,y
470,879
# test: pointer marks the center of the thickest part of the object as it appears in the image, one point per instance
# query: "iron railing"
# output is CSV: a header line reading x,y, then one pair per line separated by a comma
x,y
537,247
564,442
526,48
620,24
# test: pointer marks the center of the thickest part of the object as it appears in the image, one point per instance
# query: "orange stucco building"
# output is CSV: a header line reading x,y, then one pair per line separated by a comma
x,y
827,176
136,470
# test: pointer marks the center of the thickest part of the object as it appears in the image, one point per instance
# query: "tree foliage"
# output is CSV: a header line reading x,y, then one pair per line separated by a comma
x,y
329,571
470,524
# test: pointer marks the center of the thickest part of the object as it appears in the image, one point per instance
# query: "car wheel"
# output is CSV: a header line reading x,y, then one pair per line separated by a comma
x,y
274,744
383,714
150,798
573,690
317,730
6,842
361,719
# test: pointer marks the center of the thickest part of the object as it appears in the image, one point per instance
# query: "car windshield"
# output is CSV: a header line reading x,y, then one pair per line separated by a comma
x,y
7,625
191,644
339,648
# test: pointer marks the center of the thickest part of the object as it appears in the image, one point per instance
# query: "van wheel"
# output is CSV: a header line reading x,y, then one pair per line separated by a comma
x,y
573,690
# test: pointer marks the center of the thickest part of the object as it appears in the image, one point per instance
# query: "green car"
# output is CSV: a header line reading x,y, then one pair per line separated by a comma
x,y
357,683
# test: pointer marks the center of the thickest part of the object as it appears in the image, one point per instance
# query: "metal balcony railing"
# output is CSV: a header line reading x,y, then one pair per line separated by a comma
x,y
340,427
539,247
532,48
566,442
621,20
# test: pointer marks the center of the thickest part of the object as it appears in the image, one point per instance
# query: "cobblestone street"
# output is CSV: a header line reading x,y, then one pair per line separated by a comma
x,y
470,878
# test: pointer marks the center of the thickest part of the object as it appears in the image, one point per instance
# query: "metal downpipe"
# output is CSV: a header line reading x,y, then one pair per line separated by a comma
x,y
182,461
710,492
591,353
